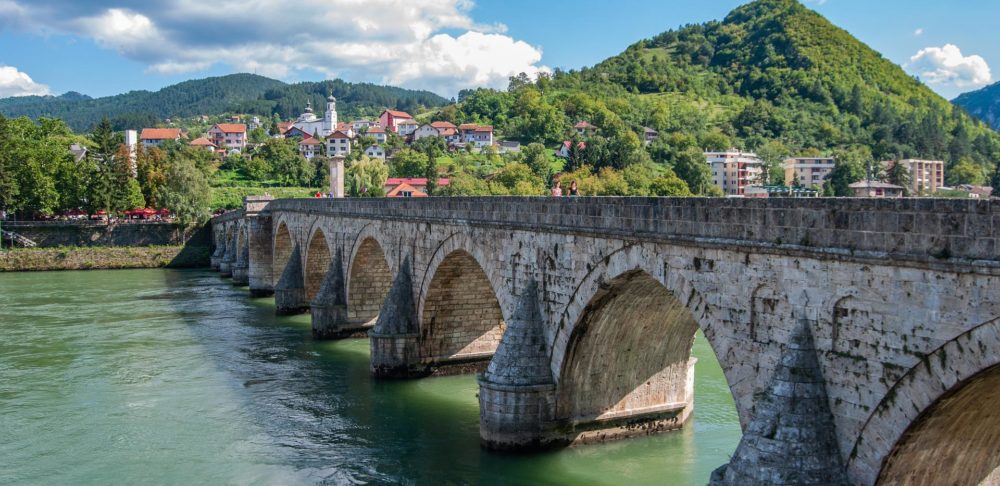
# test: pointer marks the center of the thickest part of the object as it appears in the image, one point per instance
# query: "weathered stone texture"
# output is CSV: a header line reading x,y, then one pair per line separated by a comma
x,y
900,295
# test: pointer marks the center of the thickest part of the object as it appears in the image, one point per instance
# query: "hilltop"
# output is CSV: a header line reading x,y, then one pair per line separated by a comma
x,y
773,76
236,93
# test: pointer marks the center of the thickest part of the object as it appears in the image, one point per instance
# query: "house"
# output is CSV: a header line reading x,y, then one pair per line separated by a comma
x,y
976,192
926,176
204,143
154,137
230,136
478,135
733,171
375,152
415,186
406,127
378,133
876,189
362,125
310,147
389,120
425,131
564,149
283,128
254,123
346,128
585,129
309,123
79,152
807,171
296,132
509,146
338,144
649,135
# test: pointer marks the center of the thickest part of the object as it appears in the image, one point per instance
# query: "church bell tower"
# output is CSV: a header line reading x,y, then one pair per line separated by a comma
x,y
331,114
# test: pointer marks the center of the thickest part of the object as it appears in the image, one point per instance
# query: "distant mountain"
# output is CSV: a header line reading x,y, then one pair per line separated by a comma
x,y
983,104
236,93
776,70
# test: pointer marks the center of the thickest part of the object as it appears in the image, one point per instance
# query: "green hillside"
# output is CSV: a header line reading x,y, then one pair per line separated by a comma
x,y
983,104
237,93
773,76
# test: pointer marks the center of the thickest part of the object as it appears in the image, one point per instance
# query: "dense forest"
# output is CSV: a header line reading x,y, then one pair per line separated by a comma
x,y
237,93
983,104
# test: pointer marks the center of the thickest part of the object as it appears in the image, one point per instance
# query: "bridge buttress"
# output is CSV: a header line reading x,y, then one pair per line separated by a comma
x,y
260,274
394,339
290,293
329,308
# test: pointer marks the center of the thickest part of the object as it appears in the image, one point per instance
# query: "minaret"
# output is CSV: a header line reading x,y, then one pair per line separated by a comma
x,y
330,118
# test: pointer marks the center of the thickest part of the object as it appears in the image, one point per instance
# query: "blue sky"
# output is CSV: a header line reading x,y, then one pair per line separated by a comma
x,y
103,47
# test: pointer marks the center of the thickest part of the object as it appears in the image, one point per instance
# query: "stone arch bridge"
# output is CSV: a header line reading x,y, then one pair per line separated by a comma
x,y
859,338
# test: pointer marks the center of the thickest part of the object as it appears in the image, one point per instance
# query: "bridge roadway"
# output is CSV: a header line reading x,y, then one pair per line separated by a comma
x,y
860,338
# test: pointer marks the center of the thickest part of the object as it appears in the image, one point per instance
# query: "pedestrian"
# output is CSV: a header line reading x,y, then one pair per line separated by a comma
x,y
557,189
573,190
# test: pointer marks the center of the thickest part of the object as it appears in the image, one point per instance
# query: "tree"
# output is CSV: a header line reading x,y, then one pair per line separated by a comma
x,y
845,172
669,185
186,193
536,156
151,173
691,167
966,172
366,178
899,175
409,163
432,174
518,179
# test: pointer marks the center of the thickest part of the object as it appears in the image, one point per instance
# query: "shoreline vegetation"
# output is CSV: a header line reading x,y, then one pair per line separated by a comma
x,y
103,258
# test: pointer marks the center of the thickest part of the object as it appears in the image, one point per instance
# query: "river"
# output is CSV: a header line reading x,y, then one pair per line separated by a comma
x,y
177,377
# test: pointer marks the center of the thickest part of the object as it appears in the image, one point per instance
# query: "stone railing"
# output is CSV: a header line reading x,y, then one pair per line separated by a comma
x,y
938,231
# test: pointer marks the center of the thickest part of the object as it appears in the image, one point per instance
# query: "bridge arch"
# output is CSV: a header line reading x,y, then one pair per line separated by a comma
x,y
317,262
622,351
369,279
460,311
282,252
953,373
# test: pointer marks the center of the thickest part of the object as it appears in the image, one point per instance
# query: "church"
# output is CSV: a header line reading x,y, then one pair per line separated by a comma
x,y
309,123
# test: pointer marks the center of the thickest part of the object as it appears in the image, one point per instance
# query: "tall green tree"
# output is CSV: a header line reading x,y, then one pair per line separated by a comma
x,y
186,193
899,175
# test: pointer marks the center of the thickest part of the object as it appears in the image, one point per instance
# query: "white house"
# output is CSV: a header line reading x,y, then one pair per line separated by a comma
x,y
406,127
309,123
584,129
338,144
361,125
378,133
442,129
154,137
310,147
478,135
375,152
425,131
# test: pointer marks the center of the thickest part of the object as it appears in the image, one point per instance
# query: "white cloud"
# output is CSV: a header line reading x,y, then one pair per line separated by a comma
x,y
947,67
17,83
429,44
919,32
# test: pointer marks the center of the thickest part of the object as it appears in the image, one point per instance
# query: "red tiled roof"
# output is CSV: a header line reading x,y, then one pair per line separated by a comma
x,y
580,145
468,126
310,141
232,127
583,124
160,134
413,181
202,142
484,128
443,125
284,126
404,187
398,114
376,130
338,134
448,132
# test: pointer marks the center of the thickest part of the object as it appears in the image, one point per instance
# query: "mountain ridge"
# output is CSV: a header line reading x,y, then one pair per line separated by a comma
x,y
983,103
233,93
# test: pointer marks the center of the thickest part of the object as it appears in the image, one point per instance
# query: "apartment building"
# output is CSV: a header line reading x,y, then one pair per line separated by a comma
x,y
733,171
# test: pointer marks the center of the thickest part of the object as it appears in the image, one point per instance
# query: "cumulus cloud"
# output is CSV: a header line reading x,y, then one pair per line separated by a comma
x,y
919,32
428,44
16,83
946,66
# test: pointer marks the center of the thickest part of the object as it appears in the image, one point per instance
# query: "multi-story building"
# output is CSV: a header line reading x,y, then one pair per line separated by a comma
x,y
378,133
733,171
310,147
926,176
229,136
390,119
406,127
807,171
478,135
375,152
338,144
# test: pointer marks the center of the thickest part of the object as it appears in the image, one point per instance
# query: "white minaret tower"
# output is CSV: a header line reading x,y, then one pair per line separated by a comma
x,y
330,118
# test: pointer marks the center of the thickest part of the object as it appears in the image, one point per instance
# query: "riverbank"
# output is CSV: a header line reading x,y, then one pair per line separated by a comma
x,y
103,258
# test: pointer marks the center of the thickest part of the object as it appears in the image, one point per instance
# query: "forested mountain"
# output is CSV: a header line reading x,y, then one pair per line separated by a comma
x,y
983,104
773,76
237,93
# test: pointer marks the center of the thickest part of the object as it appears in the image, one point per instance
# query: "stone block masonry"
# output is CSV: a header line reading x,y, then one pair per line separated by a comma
x,y
586,310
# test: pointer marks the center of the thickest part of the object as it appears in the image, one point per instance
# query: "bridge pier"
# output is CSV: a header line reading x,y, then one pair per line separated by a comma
x,y
329,308
260,252
226,265
241,267
395,340
290,293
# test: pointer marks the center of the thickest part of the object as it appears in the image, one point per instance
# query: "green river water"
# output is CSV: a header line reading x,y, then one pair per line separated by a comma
x,y
177,377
